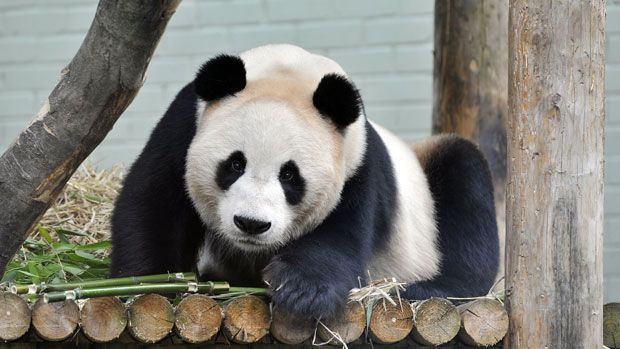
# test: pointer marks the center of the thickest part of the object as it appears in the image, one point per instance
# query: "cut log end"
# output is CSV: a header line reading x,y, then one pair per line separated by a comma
x,y
55,321
349,326
611,325
484,322
391,323
436,321
103,319
151,318
246,320
197,318
290,330
14,317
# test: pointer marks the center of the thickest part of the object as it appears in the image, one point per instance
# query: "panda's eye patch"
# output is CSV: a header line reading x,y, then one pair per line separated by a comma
x,y
236,165
229,170
292,182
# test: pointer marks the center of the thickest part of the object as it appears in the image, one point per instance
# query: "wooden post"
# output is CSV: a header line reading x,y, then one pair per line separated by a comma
x,y
470,83
555,173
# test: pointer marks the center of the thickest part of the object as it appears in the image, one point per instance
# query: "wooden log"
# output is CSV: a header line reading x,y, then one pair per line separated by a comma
x,y
103,319
391,323
435,321
246,320
611,325
14,317
484,322
349,325
197,318
55,321
151,318
554,220
290,330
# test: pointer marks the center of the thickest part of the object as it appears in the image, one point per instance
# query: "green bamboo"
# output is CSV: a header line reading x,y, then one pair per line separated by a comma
x,y
114,282
210,287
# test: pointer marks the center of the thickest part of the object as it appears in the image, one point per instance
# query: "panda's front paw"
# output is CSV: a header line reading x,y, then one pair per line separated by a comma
x,y
300,292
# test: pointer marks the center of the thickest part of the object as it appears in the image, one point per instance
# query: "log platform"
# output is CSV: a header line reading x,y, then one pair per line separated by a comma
x,y
246,320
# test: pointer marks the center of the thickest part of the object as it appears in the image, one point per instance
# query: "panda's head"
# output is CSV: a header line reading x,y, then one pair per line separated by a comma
x,y
279,131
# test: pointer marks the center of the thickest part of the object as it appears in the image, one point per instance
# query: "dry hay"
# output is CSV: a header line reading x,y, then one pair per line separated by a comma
x,y
85,205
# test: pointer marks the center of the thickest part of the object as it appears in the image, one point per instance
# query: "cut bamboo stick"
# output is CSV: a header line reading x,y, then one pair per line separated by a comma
x,y
390,323
197,318
246,320
611,325
55,321
290,330
151,318
14,317
348,327
435,321
484,322
103,319
125,281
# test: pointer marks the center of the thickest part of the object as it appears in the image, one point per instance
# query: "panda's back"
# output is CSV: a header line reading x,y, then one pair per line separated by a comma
x,y
411,254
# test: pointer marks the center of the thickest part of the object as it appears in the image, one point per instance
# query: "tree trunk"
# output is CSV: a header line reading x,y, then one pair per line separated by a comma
x,y
471,83
94,89
555,173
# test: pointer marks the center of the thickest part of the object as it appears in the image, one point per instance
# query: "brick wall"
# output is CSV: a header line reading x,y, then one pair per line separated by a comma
x,y
386,47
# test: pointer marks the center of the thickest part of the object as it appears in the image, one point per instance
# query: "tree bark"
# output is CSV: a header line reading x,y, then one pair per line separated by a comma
x,y
470,83
555,173
94,89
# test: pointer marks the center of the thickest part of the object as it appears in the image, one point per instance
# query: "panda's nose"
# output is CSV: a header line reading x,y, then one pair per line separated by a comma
x,y
251,226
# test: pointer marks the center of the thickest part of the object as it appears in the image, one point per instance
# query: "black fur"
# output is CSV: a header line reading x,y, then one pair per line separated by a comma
x,y
155,228
295,187
221,76
461,185
337,99
225,174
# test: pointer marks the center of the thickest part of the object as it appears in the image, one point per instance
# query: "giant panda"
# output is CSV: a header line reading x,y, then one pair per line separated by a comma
x,y
265,170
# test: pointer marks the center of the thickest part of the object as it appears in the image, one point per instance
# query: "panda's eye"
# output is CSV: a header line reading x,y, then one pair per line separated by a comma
x,y
287,175
236,166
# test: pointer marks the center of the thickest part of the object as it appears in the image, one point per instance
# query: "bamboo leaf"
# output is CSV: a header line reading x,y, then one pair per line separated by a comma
x,y
101,245
45,234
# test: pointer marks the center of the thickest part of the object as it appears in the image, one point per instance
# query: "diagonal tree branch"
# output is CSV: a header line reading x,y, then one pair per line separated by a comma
x,y
94,89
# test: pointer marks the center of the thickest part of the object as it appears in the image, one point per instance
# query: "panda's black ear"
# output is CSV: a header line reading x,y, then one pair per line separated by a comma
x,y
219,77
337,99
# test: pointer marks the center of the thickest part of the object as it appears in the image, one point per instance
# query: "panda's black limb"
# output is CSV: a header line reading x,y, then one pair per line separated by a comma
x,y
317,271
155,228
461,185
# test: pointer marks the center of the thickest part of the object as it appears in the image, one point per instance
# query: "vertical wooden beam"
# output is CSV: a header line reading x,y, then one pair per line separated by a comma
x,y
471,82
554,217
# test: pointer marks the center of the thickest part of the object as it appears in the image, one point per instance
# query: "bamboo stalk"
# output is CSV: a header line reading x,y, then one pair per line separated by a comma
x,y
103,319
611,325
197,318
346,328
151,318
484,322
436,321
290,330
87,284
246,320
390,323
55,321
191,287
14,317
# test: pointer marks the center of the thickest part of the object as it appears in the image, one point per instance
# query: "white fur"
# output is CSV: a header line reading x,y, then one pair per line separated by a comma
x,y
413,254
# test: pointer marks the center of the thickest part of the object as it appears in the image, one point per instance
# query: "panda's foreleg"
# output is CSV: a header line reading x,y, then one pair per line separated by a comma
x,y
313,276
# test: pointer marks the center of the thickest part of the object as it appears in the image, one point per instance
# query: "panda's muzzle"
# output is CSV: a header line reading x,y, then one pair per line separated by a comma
x,y
251,226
